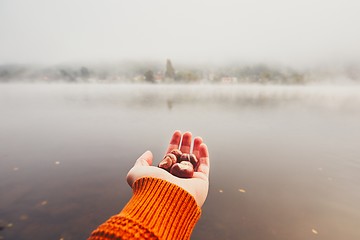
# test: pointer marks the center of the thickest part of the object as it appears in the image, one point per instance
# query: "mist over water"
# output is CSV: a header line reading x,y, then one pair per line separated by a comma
x,y
284,159
283,136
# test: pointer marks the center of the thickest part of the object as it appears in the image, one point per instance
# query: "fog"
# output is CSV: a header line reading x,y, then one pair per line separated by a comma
x,y
271,86
329,96
294,33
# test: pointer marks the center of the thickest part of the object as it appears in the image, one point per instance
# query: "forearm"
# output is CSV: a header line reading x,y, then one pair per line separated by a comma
x,y
157,210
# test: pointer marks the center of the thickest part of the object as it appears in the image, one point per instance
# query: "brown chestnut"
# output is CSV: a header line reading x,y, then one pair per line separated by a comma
x,y
194,161
168,161
185,157
183,169
177,153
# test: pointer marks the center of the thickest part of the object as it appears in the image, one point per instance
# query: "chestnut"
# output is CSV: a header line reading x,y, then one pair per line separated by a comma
x,y
167,162
177,153
185,157
183,169
194,161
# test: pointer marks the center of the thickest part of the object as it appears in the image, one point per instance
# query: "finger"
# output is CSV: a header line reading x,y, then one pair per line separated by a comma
x,y
204,166
175,141
196,147
186,142
145,159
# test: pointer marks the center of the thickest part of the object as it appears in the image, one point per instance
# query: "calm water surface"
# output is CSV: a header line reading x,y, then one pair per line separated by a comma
x,y
285,161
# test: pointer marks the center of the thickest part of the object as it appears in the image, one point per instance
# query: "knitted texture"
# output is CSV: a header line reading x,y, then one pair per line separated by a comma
x,y
157,210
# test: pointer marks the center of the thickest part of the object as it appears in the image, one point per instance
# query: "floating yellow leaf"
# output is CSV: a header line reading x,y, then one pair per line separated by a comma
x,y
314,231
242,190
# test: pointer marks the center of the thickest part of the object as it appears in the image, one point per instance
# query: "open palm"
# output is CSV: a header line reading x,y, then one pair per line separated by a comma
x,y
197,186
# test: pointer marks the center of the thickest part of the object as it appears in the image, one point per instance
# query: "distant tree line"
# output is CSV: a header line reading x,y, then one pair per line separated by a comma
x,y
138,72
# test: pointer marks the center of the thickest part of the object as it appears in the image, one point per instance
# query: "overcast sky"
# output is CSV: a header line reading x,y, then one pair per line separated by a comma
x,y
292,32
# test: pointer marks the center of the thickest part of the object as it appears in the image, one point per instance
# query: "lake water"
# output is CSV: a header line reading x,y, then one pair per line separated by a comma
x,y
285,160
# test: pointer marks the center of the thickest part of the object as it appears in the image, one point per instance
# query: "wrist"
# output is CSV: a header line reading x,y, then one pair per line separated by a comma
x,y
163,208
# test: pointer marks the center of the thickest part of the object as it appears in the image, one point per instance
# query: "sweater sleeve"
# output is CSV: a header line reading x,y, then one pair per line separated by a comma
x,y
157,210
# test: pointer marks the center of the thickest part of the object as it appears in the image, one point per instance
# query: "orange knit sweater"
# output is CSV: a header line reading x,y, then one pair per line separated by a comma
x,y
157,210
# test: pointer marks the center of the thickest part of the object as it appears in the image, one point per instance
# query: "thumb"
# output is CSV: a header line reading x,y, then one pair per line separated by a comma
x,y
145,159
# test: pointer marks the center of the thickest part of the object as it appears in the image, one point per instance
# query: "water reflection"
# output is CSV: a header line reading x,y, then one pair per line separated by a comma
x,y
285,160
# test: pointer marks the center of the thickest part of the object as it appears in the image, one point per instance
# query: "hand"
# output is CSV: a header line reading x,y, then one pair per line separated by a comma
x,y
197,186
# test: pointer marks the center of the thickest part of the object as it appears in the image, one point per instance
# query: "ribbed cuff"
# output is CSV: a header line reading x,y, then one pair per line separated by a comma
x,y
165,209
